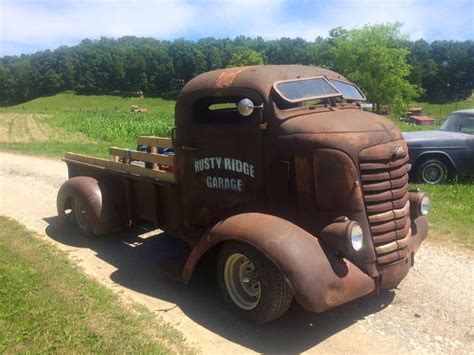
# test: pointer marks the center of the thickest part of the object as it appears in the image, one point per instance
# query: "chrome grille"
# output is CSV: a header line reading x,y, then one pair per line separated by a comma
x,y
383,170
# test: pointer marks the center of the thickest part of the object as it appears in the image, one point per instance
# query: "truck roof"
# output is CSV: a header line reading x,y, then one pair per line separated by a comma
x,y
259,78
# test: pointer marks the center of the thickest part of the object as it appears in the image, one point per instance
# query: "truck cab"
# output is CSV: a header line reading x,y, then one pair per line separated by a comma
x,y
298,192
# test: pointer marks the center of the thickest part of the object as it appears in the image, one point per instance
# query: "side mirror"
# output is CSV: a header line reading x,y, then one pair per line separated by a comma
x,y
246,107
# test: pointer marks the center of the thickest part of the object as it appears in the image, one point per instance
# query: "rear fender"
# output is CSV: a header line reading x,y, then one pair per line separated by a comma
x,y
101,215
318,279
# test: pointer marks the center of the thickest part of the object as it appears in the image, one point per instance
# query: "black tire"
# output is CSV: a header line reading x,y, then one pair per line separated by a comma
x,y
275,294
80,213
432,171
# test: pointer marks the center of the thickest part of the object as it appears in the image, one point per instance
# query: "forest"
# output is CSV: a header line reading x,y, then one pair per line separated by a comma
x,y
439,71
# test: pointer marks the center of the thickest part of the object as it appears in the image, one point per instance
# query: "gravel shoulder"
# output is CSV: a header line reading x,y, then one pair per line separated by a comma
x,y
431,312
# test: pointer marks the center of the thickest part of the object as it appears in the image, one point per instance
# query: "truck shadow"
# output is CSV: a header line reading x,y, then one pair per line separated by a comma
x,y
135,258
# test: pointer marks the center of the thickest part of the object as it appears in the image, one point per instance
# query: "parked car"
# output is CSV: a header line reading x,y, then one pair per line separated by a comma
x,y
438,155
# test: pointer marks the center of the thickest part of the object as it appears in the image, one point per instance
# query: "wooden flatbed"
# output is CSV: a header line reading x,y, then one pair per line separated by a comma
x,y
122,160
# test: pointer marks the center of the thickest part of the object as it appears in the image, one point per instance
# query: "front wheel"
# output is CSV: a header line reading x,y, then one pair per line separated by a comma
x,y
432,171
252,284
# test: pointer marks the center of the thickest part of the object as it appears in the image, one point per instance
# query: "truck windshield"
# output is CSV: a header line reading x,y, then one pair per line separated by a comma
x,y
305,89
349,91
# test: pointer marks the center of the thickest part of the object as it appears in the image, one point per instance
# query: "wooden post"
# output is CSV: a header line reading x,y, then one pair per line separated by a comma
x,y
154,150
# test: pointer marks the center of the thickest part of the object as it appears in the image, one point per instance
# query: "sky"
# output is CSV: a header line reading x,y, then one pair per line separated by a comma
x,y
27,26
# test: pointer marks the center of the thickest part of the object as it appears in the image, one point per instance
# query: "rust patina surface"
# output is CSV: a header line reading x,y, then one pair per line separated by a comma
x,y
287,180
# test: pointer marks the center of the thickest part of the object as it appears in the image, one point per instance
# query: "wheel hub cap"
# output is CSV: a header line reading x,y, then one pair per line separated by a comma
x,y
433,173
80,213
242,281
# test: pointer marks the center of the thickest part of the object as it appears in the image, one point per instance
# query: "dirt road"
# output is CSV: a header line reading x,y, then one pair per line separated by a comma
x,y
431,312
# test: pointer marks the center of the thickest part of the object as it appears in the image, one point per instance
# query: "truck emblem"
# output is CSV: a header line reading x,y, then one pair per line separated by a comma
x,y
398,152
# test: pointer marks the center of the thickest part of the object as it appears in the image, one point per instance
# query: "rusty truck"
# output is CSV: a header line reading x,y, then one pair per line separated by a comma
x,y
277,173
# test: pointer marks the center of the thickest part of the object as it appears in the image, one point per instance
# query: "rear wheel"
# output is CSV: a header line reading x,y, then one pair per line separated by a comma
x,y
432,171
81,214
252,284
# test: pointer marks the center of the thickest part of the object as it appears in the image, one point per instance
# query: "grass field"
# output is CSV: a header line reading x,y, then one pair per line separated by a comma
x,y
452,215
452,212
53,125
71,102
438,111
90,124
48,306
442,111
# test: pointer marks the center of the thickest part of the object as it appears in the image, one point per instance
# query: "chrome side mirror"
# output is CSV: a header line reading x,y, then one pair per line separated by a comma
x,y
246,107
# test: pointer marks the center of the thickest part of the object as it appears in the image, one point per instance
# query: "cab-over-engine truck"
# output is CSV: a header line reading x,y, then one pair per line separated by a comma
x,y
276,171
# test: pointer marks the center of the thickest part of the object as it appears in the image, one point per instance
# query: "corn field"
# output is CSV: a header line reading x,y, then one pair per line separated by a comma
x,y
115,126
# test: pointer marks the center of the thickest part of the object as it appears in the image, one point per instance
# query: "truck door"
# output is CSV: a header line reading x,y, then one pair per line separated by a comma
x,y
221,169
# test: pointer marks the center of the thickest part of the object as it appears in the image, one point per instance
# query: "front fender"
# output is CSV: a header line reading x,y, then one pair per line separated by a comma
x,y
319,280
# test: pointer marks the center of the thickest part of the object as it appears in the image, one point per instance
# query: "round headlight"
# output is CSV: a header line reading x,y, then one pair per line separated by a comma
x,y
357,237
425,205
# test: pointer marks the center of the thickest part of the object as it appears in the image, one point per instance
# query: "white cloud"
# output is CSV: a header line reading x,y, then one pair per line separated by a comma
x,y
46,23
26,22
449,19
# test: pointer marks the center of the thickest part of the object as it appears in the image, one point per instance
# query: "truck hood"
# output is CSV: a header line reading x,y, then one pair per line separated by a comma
x,y
339,121
347,130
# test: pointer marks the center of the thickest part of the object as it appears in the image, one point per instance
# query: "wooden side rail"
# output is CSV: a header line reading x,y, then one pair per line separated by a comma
x,y
122,167
156,158
155,142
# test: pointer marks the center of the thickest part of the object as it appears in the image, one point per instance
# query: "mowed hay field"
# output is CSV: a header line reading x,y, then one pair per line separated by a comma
x,y
30,127
34,134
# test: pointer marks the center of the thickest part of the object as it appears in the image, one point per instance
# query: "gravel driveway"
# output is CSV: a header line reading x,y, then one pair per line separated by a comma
x,y
431,312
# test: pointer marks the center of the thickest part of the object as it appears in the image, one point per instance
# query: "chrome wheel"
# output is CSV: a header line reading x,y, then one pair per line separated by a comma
x,y
80,214
433,172
242,281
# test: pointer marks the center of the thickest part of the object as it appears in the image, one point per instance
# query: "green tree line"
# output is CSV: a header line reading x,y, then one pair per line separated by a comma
x,y
375,57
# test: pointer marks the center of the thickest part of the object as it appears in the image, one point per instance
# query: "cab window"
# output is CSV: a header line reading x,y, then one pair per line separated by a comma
x,y
219,110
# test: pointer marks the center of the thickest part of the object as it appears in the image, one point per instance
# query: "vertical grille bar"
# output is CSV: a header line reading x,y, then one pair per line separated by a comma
x,y
384,173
